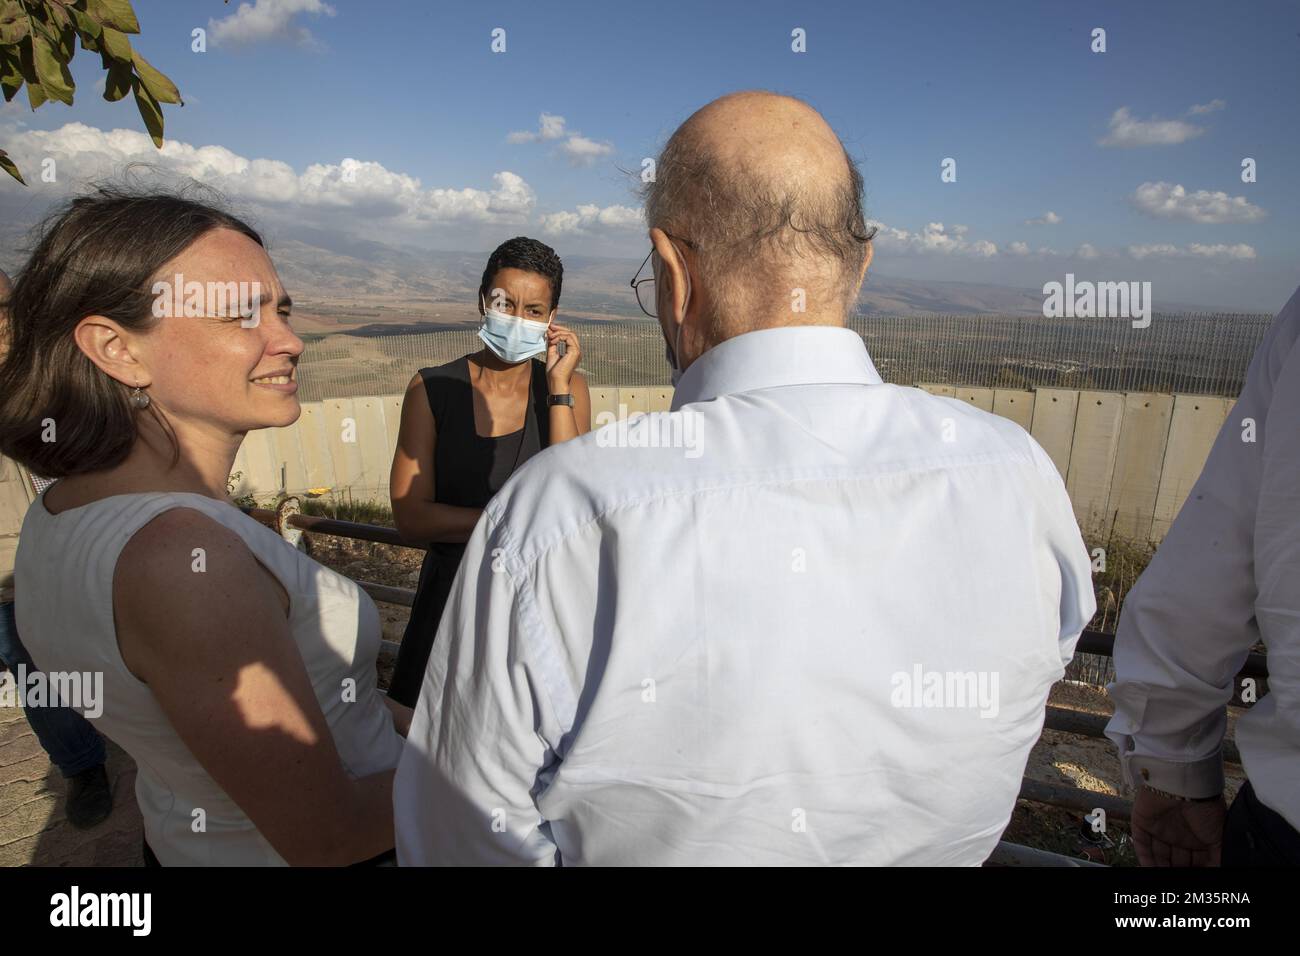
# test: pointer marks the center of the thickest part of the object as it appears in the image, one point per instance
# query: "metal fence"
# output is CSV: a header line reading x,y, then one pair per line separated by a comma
x,y
1203,354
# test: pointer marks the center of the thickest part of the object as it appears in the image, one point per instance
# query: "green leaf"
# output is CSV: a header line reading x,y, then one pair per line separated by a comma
x,y
53,71
13,22
87,25
163,89
114,13
11,73
57,14
27,66
8,166
35,95
150,111
116,44
68,43
118,81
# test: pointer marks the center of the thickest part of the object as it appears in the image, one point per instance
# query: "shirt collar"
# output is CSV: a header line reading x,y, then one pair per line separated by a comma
x,y
771,358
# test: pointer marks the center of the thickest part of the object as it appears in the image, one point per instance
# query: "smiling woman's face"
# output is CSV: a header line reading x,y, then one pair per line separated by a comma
x,y
522,293
224,372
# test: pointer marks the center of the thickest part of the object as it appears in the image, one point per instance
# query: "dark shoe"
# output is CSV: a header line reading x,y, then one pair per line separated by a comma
x,y
90,799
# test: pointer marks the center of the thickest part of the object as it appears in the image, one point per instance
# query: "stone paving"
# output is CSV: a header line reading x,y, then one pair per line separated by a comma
x,y
33,828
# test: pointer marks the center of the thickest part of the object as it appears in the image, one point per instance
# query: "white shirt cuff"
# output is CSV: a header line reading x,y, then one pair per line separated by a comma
x,y
1200,778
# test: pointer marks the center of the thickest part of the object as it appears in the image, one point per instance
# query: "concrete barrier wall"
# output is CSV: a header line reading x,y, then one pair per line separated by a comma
x,y
1128,459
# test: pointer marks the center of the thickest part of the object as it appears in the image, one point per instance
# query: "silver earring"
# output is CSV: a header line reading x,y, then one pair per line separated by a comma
x,y
139,399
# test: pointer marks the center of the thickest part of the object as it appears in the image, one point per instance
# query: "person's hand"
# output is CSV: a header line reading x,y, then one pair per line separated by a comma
x,y
1169,832
560,369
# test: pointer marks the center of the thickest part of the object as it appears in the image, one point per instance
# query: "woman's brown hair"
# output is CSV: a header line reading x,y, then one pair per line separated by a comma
x,y
96,255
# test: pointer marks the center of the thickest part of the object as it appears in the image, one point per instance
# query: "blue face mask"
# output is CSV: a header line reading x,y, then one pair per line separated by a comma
x,y
511,338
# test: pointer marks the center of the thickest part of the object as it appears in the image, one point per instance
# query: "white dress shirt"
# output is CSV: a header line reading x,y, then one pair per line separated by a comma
x,y
732,651
1226,576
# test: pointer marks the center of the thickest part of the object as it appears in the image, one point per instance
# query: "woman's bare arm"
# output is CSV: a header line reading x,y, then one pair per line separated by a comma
x,y
213,644
418,517
563,378
570,421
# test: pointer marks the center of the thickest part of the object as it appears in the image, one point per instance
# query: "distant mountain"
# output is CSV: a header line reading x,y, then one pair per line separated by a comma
x,y
332,272
350,271
882,295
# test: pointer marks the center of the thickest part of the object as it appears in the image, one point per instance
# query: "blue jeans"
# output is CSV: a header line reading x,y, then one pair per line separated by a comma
x,y
73,745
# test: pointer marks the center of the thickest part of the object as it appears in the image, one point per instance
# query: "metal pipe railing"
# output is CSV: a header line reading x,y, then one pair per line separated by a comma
x,y
1013,854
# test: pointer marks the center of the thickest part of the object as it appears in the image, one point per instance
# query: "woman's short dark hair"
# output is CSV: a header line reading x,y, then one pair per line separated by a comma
x,y
529,255
97,254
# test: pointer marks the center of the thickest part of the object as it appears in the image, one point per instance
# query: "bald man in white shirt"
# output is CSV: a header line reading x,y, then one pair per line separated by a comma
x,y
802,618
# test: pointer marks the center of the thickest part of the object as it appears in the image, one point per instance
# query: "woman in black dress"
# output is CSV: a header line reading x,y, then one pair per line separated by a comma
x,y
467,425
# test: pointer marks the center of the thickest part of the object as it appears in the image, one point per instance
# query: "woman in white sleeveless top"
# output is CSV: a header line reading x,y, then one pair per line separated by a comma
x,y
239,673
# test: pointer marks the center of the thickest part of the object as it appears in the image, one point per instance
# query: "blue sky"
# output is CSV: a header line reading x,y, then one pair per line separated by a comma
x,y
1011,91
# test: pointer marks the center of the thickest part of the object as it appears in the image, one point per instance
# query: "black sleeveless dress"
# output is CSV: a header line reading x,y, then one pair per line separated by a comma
x,y
468,471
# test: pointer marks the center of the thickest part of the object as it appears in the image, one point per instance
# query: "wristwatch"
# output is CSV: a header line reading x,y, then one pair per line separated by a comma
x,y
565,399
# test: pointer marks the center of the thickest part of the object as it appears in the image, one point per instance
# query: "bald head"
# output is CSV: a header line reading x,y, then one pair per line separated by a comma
x,y
774,141
764,190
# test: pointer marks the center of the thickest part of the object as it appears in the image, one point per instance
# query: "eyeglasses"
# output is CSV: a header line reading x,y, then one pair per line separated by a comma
x,y
645,288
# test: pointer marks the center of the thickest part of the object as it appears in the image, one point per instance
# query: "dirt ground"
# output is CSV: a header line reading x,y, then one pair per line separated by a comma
x,y
34,831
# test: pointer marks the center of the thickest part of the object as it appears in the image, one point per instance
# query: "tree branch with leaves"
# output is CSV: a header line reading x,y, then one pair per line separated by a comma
x,y
38,39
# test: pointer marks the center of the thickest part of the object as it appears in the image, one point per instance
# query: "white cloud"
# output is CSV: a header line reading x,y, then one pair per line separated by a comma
x,y
361,189
549,126
1048,218
934,239
590,218
583,152
1022,250
578,149
1170,201
1200,109
1195,250
1222,251
267,20
1126,130
1087,251
1154,250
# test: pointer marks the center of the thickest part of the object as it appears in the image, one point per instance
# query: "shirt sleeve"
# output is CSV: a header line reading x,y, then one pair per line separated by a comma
x,y
482,734
1191,619
1078,603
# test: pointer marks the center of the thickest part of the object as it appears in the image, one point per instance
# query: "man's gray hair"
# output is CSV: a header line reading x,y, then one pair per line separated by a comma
x,y
751,235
